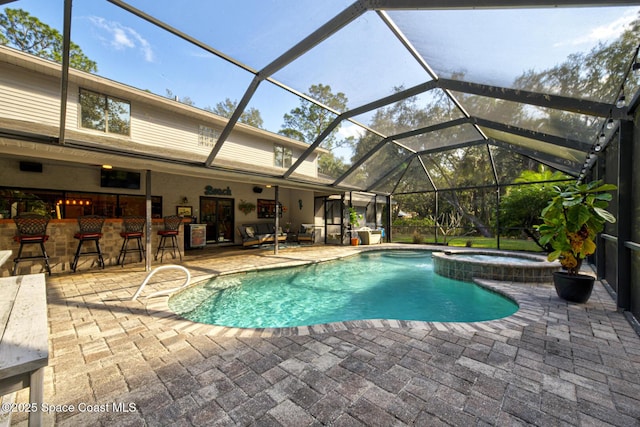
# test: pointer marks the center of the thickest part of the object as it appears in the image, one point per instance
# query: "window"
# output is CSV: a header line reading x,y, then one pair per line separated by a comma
x,y
104,113
207,137
282,156
67,204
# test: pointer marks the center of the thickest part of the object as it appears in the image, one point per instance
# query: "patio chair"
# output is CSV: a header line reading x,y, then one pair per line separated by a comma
x,y
133,229
90,231
170,233
31,229
307,233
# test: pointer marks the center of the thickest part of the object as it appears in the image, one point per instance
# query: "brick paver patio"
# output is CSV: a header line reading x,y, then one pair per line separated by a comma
x,y
134,363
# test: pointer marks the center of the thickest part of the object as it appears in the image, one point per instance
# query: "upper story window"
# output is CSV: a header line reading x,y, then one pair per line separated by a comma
x,y
104,113
207,137
282,156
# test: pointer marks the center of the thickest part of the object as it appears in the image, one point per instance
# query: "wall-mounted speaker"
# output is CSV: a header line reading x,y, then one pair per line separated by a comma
x,y
257,189
31,167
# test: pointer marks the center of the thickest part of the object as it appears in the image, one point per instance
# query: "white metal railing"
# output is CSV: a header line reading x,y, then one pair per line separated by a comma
x,y
164,291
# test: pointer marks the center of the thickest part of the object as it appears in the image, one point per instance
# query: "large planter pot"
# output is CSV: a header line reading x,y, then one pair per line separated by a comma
x,y
573,287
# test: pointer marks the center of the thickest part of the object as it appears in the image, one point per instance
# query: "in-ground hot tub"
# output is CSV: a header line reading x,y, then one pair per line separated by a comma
x,y
494,265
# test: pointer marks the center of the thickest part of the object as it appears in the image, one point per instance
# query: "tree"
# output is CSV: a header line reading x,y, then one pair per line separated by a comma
x,y
27,33
306,122
521,205
446,169
250,116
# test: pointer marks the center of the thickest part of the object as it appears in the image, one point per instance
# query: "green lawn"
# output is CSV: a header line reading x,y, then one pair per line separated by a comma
x,y
478,242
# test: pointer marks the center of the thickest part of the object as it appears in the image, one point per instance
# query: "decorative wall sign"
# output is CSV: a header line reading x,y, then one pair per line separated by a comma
x,y
210,191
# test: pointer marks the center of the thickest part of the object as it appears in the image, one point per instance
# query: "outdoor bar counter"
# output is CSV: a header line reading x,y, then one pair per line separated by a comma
x,y
61,246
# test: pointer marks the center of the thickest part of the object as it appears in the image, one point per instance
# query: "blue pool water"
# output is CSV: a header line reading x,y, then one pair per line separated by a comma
x,y
398,285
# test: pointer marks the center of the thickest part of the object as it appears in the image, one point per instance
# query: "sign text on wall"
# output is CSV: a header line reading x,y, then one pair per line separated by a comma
x,y
210,191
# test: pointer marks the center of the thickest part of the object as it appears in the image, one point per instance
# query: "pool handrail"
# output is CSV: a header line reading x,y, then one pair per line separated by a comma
x,y
164,291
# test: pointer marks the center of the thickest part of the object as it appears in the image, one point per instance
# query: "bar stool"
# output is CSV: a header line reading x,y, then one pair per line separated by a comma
x,y
31,229
171,230
90,230
133,229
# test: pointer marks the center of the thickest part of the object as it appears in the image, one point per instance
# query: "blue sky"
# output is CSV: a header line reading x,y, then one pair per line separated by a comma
x,y
363,60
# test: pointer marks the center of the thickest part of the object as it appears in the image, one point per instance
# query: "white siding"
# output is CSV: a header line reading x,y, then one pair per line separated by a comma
x,y
29,97
156,127
246,150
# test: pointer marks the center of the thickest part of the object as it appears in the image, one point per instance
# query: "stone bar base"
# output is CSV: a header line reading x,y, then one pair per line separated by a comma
x,y
61,246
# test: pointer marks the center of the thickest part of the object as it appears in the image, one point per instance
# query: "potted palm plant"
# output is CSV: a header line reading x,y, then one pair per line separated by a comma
x,y
354,219
571,221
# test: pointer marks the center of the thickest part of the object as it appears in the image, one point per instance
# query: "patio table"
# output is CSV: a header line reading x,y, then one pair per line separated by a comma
x,y
24,340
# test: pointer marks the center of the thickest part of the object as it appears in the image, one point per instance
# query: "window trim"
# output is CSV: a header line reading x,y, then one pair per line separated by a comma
x,y
106,98
280,150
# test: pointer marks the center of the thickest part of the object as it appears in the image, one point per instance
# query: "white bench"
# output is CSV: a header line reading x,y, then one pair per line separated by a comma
x,y
4,256
24,338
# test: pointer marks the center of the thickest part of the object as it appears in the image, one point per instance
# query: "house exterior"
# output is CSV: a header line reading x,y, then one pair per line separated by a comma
x,y
154,144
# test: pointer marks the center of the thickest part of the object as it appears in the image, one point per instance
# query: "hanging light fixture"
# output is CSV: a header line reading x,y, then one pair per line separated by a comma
x,y
621,100
597,147
602,138
610,123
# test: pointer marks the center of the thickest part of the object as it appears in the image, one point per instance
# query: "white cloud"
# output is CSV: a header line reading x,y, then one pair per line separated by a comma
x,y
121,37
348,129
603,33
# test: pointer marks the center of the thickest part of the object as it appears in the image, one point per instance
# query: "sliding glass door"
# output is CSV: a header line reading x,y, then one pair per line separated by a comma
x,y
217,214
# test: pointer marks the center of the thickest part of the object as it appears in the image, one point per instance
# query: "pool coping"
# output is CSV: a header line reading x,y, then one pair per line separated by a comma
x,y
450,264
526,295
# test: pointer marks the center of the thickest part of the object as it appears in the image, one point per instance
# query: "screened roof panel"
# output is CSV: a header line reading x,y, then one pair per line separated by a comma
x,y
425,109
274,103
535,147
260,32
348,63
368,140
415,179
499,46
364,51
134,52
441,138
377,166
462,167
388,183
509,164
539,119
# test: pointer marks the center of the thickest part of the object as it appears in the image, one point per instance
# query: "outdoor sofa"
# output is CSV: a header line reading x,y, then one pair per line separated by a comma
x,y
259,234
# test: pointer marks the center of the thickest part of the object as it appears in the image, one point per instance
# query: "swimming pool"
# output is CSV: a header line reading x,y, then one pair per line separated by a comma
x,y
399,285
